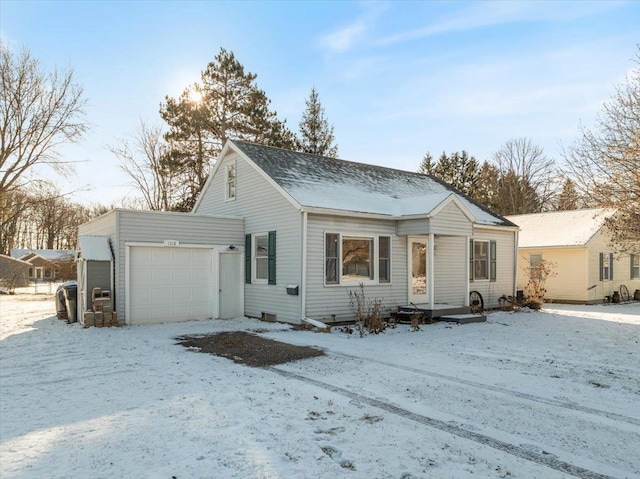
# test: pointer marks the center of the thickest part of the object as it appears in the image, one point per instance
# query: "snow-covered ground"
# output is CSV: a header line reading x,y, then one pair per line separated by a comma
x,y
532,395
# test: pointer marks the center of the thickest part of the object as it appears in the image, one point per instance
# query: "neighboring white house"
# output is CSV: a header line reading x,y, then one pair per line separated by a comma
x,y
588,268
308,229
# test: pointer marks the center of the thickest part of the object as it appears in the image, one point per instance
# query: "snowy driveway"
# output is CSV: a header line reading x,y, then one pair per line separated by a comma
x,y
534,395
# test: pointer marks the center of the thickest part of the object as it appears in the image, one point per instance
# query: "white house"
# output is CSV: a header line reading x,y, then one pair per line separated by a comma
x,y
588,268
307,229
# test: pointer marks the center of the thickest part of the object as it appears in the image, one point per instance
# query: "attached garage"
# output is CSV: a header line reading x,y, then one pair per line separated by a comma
x,y
170,284
169,265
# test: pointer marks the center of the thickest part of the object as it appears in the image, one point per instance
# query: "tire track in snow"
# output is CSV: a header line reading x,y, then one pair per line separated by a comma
x,y
510,392
517,451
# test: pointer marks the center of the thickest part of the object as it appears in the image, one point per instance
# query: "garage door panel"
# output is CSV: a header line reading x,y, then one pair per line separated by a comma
x,y
170,284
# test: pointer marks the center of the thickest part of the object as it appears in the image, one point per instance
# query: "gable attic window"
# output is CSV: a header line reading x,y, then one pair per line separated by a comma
x,y
353,259
483,264
606,266
230,181
635,266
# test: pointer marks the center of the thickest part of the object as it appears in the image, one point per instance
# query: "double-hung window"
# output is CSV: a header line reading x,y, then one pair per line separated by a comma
x,y
260,258
482,260
606,266
230,181
353,259
635,266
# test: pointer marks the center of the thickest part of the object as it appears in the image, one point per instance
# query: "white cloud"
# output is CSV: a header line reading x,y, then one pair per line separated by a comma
x,y
347,37
486,14
343,39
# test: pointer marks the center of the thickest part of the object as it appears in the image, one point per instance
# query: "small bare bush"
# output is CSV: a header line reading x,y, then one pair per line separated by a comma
x,y
535,290
367,313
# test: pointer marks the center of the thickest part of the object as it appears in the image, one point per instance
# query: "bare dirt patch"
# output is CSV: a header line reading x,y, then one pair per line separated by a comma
x,y
249,349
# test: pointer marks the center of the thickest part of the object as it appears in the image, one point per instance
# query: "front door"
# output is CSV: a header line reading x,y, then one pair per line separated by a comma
x,y
231,285
418,290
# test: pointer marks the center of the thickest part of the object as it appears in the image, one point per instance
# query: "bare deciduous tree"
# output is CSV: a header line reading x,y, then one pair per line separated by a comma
x,y
38,112
605,162
144,162
527,178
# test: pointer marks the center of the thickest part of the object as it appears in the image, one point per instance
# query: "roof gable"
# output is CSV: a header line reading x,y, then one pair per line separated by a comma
x,y
317,182
560,228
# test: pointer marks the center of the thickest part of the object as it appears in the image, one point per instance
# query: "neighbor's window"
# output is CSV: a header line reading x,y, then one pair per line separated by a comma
x,y
535,260
354,259
260,257
483,264
606,266
635,266
230,175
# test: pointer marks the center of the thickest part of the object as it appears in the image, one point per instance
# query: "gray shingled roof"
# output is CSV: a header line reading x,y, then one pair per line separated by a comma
x,y
321,182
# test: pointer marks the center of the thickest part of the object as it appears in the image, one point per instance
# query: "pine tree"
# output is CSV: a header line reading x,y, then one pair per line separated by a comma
x,y
458,169
568,198
316,136
226,104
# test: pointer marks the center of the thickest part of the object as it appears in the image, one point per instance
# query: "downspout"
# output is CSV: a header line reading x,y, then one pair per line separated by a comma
x,y
515,263
303,279
467,270
431,270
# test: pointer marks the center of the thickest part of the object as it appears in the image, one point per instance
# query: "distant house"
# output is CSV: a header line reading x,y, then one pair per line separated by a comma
x,y
588,268
283,235
48,264
14,273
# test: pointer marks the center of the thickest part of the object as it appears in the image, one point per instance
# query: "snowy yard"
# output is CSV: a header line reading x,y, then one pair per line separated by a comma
x,y
532,395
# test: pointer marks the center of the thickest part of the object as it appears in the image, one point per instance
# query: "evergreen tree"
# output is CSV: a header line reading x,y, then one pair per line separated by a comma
x,y
226,104
458,169
568,198
316,136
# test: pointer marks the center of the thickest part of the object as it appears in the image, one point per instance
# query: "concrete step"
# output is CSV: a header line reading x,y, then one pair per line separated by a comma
x,y
463,318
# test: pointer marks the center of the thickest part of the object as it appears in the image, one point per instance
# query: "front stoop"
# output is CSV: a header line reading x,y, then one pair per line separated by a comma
x,y
463,318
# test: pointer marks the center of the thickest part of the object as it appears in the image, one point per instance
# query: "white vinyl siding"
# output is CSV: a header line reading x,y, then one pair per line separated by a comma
x,y
264,209
156,227
450,270
326,301
505,265
450,221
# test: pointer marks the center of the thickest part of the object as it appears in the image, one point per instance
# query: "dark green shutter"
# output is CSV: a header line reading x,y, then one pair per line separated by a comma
x,y
493,264
247,259
272,257
470,260
601,264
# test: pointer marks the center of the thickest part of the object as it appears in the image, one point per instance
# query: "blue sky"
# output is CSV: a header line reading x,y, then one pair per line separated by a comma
x,y
397,79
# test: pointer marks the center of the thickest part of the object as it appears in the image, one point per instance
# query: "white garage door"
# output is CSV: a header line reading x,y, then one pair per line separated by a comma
x,y
170,284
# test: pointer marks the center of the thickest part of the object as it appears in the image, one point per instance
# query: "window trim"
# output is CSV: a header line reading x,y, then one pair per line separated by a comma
x,y
492,261
228,183
250,266
609,257
375,261
634,274
254,258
